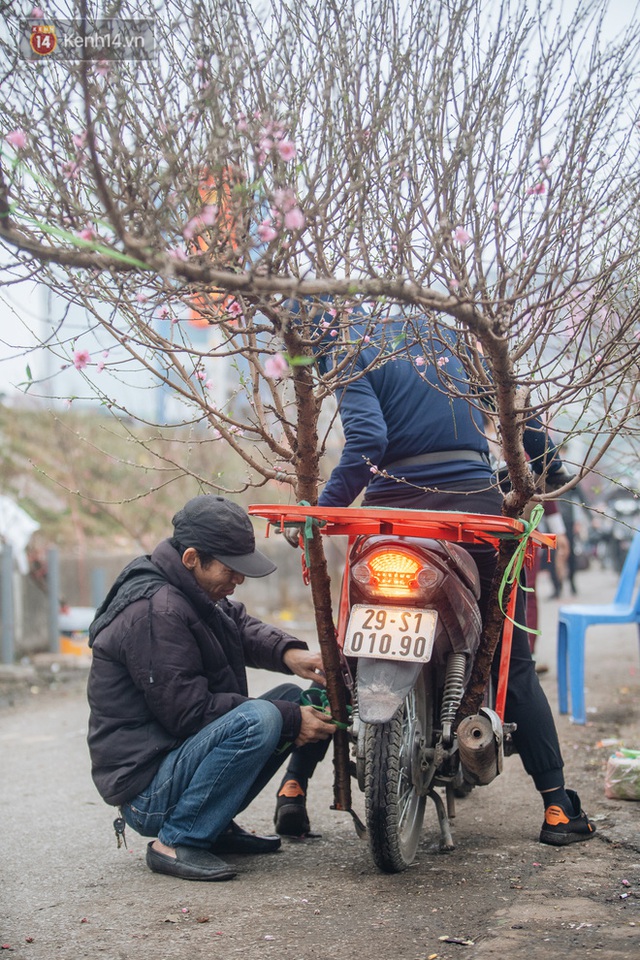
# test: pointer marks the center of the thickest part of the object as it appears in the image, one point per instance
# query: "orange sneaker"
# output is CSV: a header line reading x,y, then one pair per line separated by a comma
x,y
560,828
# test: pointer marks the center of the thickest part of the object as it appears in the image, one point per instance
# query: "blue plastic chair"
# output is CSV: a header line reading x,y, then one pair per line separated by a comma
x,y
572,626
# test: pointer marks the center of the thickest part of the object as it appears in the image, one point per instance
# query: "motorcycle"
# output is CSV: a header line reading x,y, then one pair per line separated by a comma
x,y
408,628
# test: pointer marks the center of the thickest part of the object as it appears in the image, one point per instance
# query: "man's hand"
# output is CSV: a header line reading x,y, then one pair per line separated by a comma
x,y
316,725
292,533
557,479
305,664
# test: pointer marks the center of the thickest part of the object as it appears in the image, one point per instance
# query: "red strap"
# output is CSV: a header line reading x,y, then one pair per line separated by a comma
x,y
505,653
306,575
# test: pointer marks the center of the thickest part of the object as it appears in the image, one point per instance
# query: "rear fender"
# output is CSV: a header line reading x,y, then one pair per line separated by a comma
x,y
383,686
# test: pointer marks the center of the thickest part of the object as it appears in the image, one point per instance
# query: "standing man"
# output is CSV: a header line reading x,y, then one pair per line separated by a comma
x,y
175,740
414,438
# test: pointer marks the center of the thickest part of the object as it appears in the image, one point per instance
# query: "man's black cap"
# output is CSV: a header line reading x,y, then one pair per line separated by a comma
x,y
222,529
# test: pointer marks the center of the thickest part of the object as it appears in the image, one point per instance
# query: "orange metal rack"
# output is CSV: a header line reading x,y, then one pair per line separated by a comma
x,y
457,527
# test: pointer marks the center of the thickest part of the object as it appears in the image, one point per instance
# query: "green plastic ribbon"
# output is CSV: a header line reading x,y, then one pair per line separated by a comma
x,y
511,575
319,701
306,530
323,705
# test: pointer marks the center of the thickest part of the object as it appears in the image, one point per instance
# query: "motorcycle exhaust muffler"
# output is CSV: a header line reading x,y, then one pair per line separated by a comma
x,y
480,745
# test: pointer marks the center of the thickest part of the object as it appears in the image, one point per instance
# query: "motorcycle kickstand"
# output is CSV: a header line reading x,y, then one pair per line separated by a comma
x,y
446,839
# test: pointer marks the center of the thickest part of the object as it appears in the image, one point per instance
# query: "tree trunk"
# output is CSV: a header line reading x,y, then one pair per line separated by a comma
x,y
491,633
336,691
513,402
307,472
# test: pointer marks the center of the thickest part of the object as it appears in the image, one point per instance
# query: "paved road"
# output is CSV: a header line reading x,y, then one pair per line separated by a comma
x,y
66,892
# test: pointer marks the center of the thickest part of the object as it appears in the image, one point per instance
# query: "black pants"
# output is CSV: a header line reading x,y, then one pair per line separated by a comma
x,y
536,738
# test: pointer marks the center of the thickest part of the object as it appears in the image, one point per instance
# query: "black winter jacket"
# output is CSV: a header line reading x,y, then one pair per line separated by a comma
x,y
167,661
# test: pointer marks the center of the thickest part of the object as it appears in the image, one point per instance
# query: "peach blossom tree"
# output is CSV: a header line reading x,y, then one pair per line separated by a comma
x,y
468,160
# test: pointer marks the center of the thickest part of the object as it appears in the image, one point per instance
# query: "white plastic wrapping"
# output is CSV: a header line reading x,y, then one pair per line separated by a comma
x,y
622,777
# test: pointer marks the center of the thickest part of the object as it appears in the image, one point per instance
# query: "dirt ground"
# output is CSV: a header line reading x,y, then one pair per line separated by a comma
x,y
67,892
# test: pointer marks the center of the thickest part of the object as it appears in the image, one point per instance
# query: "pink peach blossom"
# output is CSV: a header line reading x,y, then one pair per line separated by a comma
x,y
71,169
17,139
461,236
205,218
294,219
81,358
276,367
287,150
266,231
284,199
88,233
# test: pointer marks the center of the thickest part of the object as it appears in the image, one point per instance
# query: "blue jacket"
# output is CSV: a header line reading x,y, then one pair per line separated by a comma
x,y
404,408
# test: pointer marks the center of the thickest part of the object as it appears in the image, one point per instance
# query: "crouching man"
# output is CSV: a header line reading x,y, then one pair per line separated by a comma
x,y
175,740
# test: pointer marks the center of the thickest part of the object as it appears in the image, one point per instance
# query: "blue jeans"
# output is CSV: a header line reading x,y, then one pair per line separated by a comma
x,y
202,784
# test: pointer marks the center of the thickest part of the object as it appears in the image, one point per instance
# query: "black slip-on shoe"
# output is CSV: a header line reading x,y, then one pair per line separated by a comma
x,y
236,840
561,827
190,863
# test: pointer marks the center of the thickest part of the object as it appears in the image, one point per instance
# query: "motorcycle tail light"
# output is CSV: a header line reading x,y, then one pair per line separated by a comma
x,y
393,573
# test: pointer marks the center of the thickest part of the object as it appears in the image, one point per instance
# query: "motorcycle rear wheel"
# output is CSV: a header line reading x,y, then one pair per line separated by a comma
x,y
394,808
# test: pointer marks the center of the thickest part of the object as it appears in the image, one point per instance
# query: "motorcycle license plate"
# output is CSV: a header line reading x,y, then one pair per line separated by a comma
x,y
390,633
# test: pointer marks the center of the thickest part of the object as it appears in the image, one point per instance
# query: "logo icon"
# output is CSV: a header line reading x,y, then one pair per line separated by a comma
x,y
43,39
